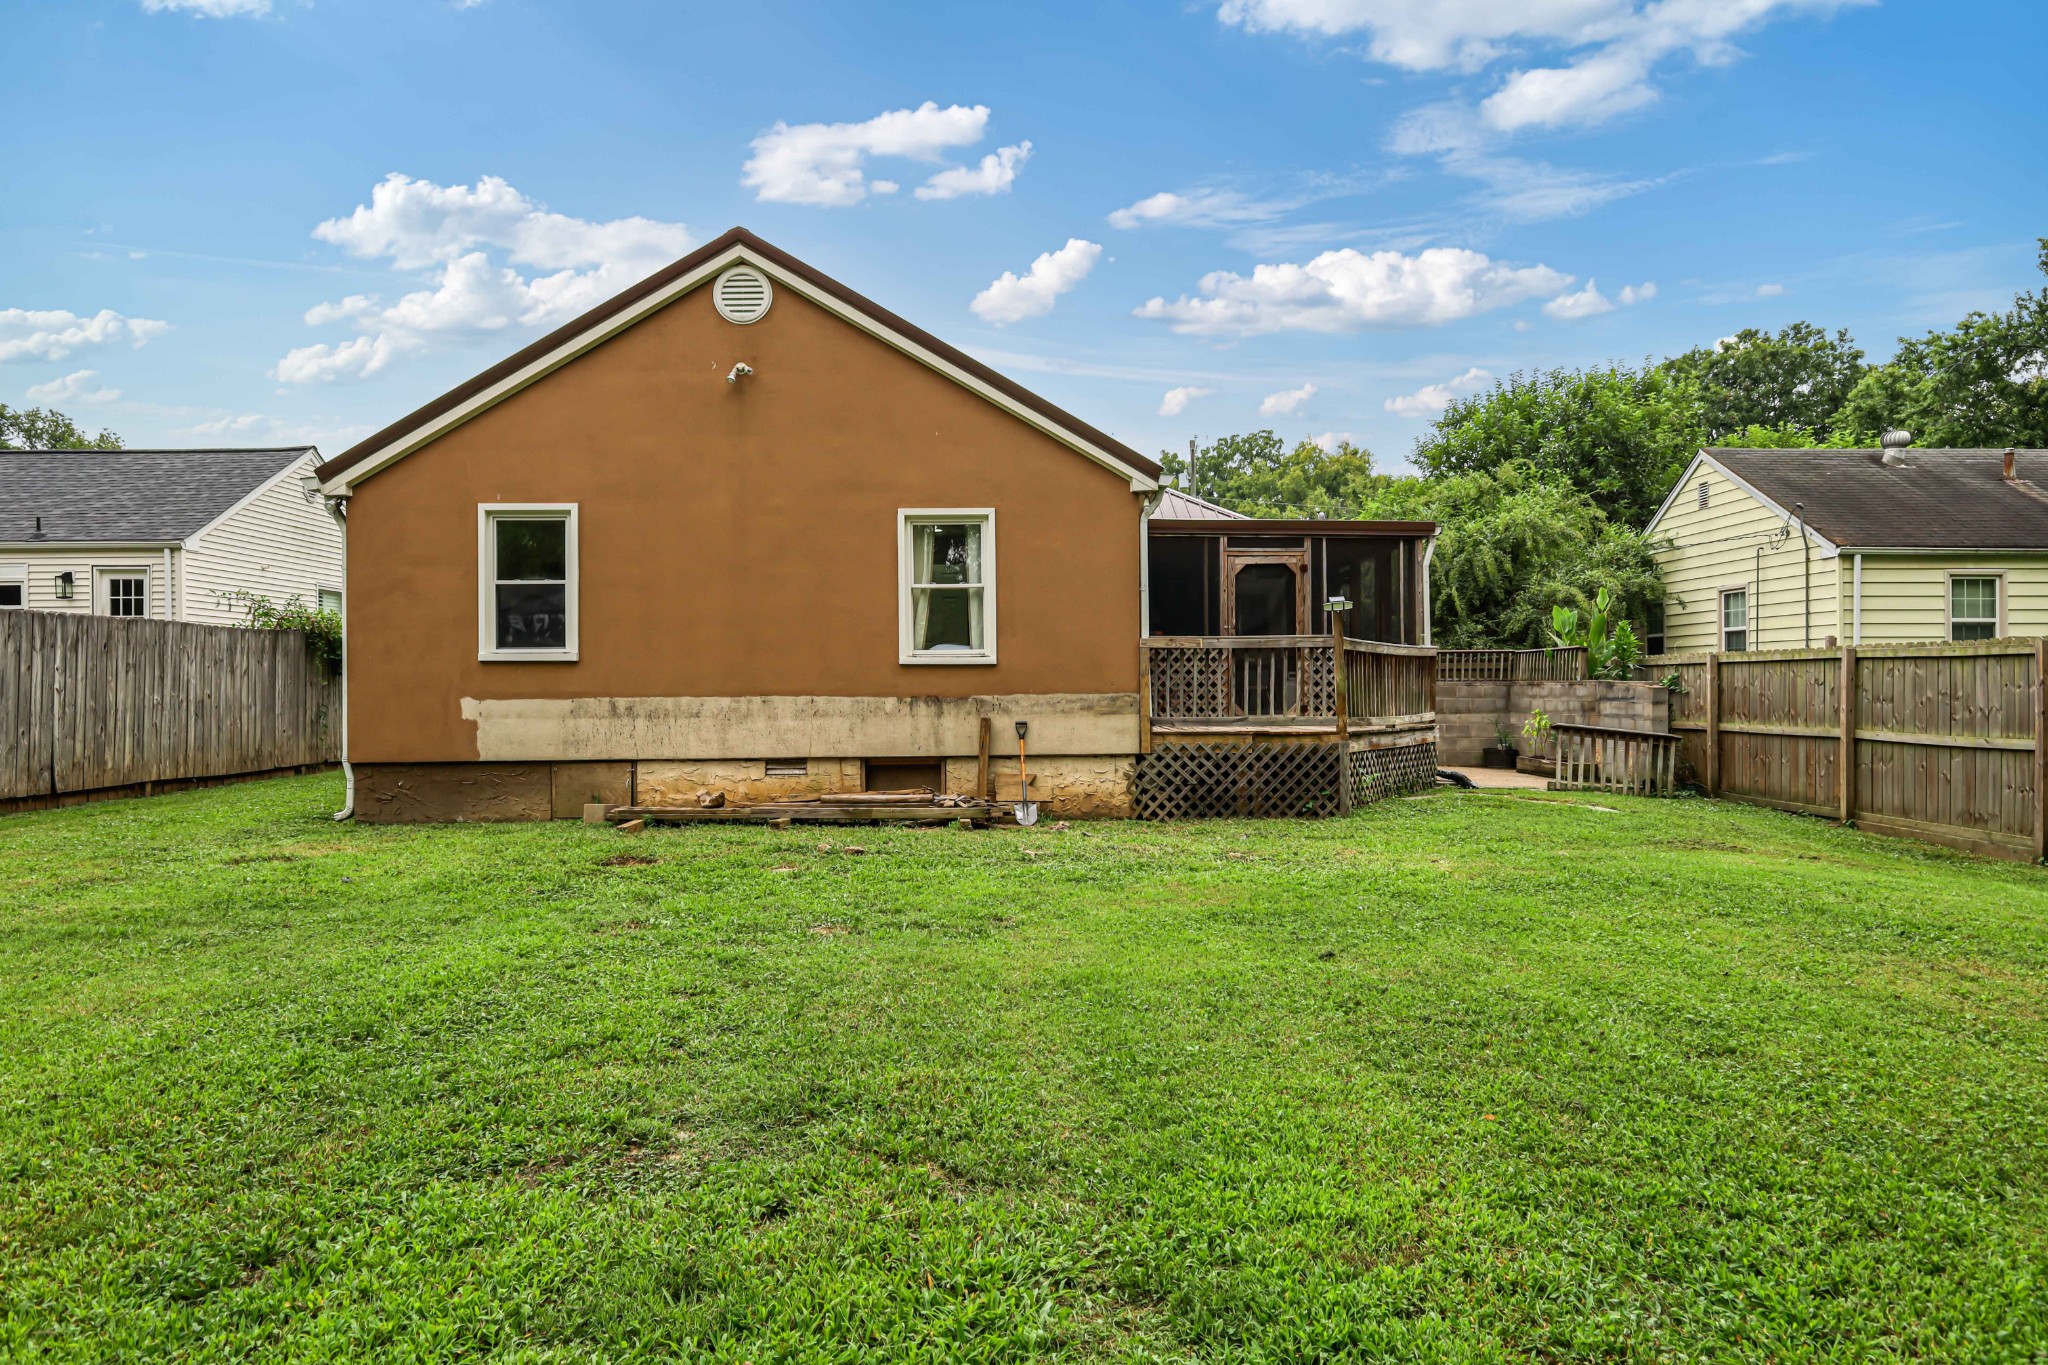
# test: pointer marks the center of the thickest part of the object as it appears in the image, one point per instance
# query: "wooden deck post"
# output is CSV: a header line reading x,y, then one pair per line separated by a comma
x,y
1341,675
1714,724
2040,749
1144,698
1845,760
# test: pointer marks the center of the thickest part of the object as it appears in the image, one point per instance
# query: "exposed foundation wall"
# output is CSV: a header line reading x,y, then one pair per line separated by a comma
x,y
1467,712
1065,785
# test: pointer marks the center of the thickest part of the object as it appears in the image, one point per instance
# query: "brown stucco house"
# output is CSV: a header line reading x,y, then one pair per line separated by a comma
x,y
740,529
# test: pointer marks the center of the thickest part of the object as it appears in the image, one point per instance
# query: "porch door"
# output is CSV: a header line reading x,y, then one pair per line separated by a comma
x,y
1265,593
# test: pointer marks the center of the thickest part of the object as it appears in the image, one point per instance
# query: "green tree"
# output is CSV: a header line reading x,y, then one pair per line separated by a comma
x,y
1795,380
1619,435
48,429
1257,474
1767,438
1983,383
1515,543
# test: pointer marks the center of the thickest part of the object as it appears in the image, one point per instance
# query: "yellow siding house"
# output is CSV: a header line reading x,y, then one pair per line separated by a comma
x,y
1790,549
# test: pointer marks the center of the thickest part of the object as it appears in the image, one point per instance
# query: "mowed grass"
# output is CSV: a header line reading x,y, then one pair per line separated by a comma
x,y
1468,1077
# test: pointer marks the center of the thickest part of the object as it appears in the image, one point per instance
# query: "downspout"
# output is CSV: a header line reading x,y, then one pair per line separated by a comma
x,y
1428,611
1806,574
168,616
337,507
1146,508
1856,636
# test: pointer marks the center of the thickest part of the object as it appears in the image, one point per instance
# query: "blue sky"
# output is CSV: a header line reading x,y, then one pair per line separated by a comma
x,y
1316,215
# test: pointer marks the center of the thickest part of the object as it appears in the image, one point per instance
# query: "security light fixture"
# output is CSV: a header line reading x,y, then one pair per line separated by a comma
x,y
309,487
66,586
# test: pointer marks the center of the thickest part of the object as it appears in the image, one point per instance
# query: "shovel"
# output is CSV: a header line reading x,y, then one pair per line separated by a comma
x,y
1026,808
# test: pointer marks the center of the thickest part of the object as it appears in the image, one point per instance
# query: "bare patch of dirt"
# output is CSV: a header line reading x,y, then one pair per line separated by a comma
x,y
627,860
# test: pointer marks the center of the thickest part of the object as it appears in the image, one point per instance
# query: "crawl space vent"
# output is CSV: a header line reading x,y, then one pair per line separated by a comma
x,y
741,294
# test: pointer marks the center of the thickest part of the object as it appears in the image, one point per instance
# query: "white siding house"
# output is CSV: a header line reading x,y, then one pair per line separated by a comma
x,y
169,534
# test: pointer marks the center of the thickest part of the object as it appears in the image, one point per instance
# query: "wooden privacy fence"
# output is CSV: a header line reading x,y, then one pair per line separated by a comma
x,y
1936,742
1599,758
1511,665
89,703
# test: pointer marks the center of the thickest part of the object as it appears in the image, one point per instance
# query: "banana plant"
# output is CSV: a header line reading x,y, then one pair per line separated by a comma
x,y
1610,645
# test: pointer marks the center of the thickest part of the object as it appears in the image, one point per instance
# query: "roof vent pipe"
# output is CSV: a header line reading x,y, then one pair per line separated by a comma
x,y
1894,443
2011,458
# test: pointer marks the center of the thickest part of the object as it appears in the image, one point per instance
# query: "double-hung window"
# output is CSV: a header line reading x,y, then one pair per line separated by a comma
x,y
526,558
1973,606
946,566
13,586
1735,620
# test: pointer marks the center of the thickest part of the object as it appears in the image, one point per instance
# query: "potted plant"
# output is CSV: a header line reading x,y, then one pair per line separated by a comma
x,y
1502,754
1537,731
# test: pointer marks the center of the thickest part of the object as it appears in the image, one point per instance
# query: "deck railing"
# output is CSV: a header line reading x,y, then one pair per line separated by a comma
x,y
1633,762
1286,681
1511,665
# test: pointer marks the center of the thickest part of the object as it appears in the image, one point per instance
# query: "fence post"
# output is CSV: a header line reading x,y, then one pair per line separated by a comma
x,y
1340,667
1845,762
2040,749
1713,723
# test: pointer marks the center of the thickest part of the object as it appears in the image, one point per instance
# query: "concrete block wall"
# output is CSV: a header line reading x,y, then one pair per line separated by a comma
x,y
1467,712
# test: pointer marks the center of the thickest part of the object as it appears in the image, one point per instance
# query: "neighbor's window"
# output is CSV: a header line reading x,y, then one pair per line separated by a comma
x,y
1735,620
1653,628
13,586
123,592
528,569
1973,608
330,600
947,602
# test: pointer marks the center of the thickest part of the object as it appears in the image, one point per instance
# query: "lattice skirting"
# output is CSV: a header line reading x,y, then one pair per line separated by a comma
x,y
1262,779
1400,771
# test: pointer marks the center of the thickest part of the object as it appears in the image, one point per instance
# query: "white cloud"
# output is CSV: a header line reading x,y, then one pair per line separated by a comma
x,y
996,173
1012,299
1585,303
53,333
1286,401
1769,291
825,163
1176,400
1347,290
76,387
1514,187
209,9
1198,208
1434,398
445,236
1328,441
1614,46
1638,293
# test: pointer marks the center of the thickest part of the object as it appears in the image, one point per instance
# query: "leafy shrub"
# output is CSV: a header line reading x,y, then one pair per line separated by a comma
x,y
322,628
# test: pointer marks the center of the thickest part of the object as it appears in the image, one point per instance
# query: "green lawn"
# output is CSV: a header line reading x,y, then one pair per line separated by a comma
x,y
1468,1077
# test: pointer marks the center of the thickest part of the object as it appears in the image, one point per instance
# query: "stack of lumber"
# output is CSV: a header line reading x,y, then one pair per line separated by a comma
x,y
840,808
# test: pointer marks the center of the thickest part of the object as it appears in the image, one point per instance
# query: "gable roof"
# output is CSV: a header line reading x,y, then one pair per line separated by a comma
x,y
630,305
1943,499
1174,505
128,497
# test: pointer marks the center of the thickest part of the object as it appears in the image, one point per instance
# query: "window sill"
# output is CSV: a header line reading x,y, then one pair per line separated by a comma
x,y
526,656
953,660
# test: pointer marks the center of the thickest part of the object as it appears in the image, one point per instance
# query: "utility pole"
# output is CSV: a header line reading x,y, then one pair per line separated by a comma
x,y
1194,479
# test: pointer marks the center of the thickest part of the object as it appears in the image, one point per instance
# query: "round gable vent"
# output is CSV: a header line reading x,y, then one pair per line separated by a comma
x,y
741,294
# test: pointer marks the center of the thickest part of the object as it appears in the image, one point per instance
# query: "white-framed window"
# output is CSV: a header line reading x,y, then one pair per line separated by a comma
x,y
526,581
13,586
120,591
946,574
329,599
1734,620
1976,606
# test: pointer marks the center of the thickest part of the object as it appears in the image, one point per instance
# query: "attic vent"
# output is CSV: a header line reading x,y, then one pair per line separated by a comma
x,y
741,295
1703,492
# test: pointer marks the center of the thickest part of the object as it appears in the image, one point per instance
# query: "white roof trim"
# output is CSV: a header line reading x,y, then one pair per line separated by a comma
x,y
1828,548
611,326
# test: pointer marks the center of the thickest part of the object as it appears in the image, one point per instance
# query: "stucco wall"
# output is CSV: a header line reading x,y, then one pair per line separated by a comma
x,y
737,540
1468,711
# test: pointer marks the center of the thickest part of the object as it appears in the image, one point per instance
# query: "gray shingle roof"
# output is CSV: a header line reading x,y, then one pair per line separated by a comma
x,y
108,497
1935,499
